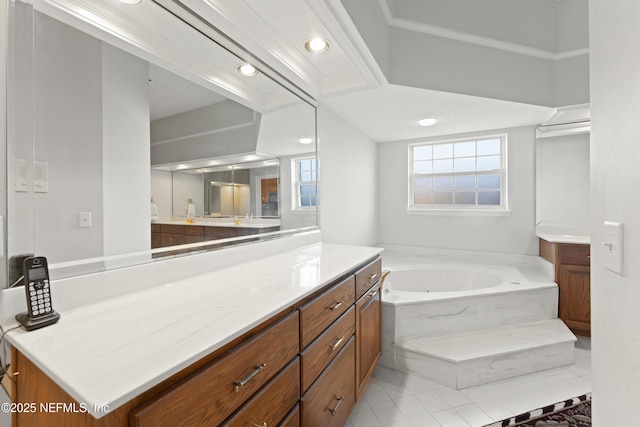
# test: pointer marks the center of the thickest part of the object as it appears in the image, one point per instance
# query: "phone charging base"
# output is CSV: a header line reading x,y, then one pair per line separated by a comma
x,y
30,323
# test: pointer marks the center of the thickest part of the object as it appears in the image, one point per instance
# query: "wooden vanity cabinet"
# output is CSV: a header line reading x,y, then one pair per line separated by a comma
x,y
305,366
164,235
368,333
332,397
573,276
213,393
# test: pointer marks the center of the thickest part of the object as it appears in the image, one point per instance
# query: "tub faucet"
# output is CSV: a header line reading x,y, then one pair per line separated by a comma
x,y
387,288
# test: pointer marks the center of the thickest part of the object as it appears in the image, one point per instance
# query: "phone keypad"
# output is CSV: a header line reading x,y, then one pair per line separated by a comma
x,y
39,297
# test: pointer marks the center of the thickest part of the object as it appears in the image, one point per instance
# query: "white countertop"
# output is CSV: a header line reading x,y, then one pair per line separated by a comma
x,y
565,238
204,222
111,351
564,233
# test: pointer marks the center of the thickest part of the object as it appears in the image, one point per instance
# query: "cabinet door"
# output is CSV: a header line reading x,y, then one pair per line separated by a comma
x,y
330,400
574,298
368,330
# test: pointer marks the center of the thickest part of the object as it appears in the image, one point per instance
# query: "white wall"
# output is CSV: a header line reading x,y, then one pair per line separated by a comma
x,y
513,234
185,186
348,180
615,182
563,180
161,192
125,152
3,154
68,119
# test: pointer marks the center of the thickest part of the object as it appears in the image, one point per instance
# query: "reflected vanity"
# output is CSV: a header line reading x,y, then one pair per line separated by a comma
x,y
117,116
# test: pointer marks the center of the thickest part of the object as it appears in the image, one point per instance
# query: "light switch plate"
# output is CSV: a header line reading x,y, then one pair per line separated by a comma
x,y
612,246
84,219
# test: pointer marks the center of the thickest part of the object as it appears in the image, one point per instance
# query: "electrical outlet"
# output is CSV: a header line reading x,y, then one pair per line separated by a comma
x,y
84,219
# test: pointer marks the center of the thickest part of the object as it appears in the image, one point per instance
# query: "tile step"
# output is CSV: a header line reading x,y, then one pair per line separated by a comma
x,y
473,358
494,342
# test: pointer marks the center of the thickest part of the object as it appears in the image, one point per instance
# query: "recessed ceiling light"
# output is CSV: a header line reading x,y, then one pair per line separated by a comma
x,y
306,140
130,1
247,70
316,45
428,121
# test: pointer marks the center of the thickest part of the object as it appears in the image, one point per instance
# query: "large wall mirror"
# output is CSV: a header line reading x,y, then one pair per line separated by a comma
x,y
134,136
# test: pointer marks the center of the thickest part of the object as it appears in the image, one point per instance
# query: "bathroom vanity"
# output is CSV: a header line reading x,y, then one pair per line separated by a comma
x,y
290,339
172,233
572,269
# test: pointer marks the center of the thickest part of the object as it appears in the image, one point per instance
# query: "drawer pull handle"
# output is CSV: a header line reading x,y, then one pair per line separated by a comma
x,y
334,410
373,293
373,277
338,304
264,424
237,385
337,343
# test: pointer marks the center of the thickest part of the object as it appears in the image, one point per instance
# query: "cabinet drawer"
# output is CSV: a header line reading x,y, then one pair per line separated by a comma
x,y
293,419
272,403
330,400
247,231
171,239
367,277
322,311
318,355
194,230
211,394
155,228
193,239
172,229
574,254
220,232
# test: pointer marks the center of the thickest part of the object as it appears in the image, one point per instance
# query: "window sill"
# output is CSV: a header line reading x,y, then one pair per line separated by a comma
x,y
459,212
304,211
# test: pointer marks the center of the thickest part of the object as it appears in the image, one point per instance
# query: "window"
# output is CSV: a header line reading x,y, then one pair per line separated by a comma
x,y
460,175
305,182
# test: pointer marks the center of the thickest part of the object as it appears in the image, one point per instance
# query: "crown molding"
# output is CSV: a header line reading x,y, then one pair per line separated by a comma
x,y
433,30
335,18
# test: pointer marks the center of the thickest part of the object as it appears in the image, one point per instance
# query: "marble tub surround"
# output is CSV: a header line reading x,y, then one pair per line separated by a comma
x,y
126,344
420,329
397,255
469,359
459,314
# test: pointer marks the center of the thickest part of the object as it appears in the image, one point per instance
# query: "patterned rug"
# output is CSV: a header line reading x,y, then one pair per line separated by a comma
x,y
574,412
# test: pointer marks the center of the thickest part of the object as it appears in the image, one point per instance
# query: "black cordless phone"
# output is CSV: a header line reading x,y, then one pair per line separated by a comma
x,y
36,283
38,290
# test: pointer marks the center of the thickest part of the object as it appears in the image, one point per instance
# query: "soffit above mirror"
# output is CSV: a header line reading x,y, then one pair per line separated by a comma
x,y
277,32
148,31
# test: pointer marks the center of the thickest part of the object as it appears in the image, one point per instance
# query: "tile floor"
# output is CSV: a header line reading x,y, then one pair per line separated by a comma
x,y
397,399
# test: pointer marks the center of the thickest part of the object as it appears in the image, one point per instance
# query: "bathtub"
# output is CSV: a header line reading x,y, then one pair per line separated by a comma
x,y
429,282
448,298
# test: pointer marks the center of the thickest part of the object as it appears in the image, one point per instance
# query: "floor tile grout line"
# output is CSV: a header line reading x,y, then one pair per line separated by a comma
x,y
399,386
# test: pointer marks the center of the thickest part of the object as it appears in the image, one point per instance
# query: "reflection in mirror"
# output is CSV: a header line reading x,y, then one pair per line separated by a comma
x,y
121,115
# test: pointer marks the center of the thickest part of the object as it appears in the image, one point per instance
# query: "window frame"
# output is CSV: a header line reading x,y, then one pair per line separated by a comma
x,y
296,184
460,209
